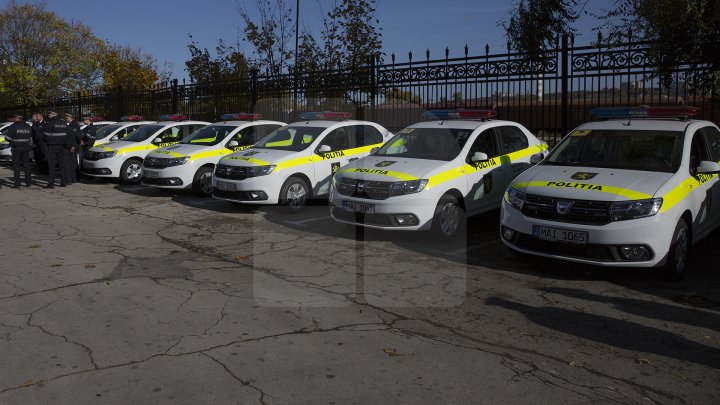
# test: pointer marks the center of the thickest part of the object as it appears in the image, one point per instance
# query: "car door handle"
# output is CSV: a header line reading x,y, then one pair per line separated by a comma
x,y
353,159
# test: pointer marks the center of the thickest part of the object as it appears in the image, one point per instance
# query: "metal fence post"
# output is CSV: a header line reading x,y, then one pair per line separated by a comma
x,y
564,77
120,101
254,78
175,96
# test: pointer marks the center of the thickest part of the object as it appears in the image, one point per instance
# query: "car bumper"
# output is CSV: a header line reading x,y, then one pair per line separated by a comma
x,y
403,213
176,177
102,167
253,190
604,244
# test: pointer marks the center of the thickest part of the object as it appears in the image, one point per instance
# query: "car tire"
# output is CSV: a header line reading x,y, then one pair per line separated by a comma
x,y
131,171
202,182
677,257
294,195
449,219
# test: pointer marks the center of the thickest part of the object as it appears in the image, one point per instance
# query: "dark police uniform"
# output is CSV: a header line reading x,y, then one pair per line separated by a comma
x,y
39,146
88,140
75,134
57,138
19,135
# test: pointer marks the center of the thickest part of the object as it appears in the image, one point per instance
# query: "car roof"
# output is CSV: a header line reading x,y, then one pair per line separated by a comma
x,y
329,123
460,124
133,123
642,124
238,123
180,122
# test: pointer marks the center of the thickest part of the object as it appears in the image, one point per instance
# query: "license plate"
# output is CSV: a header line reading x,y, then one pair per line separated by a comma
x,y
150,175
560,235
358,207
225,186
87,164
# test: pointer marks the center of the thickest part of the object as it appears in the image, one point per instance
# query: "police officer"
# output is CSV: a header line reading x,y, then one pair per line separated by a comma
x,y
39,146
75,138
19,135
88,139
57,138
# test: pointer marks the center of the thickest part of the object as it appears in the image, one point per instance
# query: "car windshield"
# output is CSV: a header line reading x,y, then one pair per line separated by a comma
x,y
655,151
143,133
290,138
426,143
106,131
209,136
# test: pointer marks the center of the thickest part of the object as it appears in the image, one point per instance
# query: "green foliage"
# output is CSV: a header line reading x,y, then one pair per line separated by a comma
x,y
45,56
128,68
396,96
271,35
226,64
533,26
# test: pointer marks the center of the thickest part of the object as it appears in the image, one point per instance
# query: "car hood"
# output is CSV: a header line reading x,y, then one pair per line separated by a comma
x,y
589,183
381,168
262,157
179,150
115,146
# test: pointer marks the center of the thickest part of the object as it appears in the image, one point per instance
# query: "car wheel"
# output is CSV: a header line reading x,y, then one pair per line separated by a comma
x,y
295,194
449,219
131,171
202,182
674,268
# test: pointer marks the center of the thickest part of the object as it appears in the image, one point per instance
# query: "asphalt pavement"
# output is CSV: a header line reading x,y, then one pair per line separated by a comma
x,y
116,294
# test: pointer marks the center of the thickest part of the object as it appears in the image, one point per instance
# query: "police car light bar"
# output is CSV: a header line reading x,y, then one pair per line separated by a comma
x,y
240,117
131,118
173,117
326,115
645,112
459,114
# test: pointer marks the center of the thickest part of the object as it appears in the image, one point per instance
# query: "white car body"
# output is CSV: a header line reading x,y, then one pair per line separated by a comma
x,y
98,124
119,129
5,151
571,212
125,151
310,165
158,172
362,191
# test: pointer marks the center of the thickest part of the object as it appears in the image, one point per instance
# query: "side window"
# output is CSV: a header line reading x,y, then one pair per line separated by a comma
x,y
698,151
712,136
512,139
486,143
264,130
367,135
193,128
172,134
130,130
246,136
338,139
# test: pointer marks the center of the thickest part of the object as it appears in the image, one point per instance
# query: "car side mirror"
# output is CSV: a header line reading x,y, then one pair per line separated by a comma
x,y
479,157
114,138
233,144
324,149
373,150
157,140
536,158
708,167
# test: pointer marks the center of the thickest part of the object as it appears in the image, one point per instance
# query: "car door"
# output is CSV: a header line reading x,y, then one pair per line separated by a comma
x,y
700,198
513,139
326,164
483,180
712,137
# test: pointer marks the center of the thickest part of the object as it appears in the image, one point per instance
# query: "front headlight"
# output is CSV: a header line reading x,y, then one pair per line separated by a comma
x,y
4,145
255,171
515,198
624,210
178,161
106,155
407,187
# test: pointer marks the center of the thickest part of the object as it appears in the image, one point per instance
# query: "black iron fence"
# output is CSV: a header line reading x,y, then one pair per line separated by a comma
x,y
549,97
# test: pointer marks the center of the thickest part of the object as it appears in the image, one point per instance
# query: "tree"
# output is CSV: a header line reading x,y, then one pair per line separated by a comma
x,y
533,26
128,68
225,64
396,95
680,32
43,56
359,33
271,35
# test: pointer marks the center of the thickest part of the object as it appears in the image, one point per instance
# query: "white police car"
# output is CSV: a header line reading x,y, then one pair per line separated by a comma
x,y
297,161
120,130
191,162
5,151
123,159
634,190
432,173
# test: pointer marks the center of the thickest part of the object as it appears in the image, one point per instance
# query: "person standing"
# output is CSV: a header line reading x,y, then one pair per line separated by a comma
x,y
87,141
19,135
75,137
39,146
58,143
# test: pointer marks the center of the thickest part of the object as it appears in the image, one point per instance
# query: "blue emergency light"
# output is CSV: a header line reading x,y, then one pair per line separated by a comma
x,y
644,112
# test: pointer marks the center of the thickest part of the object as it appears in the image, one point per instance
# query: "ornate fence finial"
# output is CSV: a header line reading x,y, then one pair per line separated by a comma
x,y
447,53
427,54
410,56
392,56
487,49
466,50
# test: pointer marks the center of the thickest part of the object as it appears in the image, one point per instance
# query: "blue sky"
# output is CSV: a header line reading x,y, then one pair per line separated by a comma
x,y
161,27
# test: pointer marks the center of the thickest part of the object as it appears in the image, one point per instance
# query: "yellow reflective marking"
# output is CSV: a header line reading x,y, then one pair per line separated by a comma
x,y
209,153
287,142
171,153
204,140
249,159
381,172
677,194
600,188
580,133
238,148
325,156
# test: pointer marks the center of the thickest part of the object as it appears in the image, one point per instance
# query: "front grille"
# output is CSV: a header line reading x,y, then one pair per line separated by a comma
x,y
374,190
587,251
155,163
582,211
231,172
